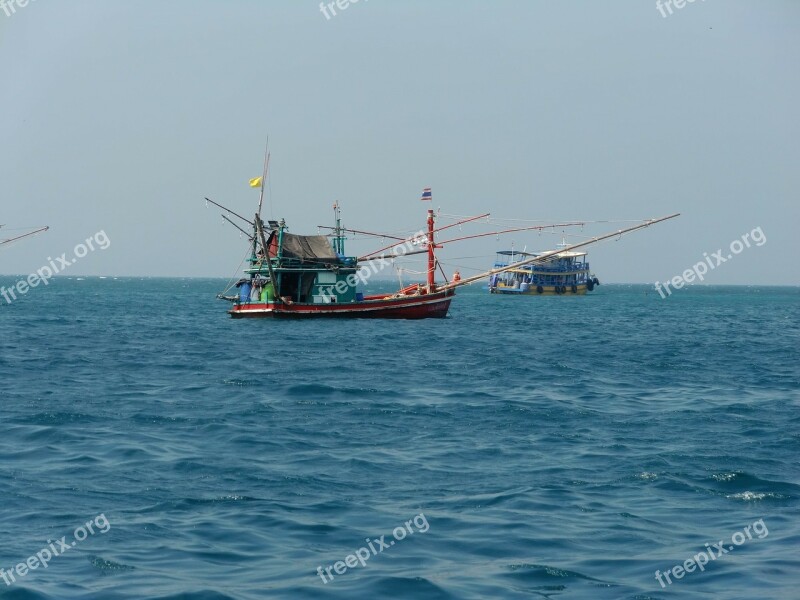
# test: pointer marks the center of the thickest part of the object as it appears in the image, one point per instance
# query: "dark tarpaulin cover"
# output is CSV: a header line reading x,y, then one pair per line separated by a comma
x,y
309,248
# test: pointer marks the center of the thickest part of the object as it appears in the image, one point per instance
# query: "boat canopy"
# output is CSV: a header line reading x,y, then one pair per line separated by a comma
x,y
559,255
309,248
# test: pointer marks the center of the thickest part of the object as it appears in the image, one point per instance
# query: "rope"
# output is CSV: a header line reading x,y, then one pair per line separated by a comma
x,y
236,276
503,219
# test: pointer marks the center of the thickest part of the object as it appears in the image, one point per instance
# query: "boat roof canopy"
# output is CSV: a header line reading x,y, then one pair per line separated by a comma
x,y
559,255
309,248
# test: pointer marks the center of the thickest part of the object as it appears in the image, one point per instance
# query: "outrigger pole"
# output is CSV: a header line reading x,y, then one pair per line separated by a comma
x,y
380,235
249,237
235,214
389,256
544,257
24,235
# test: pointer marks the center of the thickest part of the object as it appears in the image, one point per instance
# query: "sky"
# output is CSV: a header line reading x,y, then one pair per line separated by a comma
x,y
120,117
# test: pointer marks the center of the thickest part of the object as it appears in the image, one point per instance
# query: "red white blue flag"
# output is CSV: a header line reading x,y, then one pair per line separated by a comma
x,y
426,194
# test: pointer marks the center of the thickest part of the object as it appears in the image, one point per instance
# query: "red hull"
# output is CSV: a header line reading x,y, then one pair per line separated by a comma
x,y
427,306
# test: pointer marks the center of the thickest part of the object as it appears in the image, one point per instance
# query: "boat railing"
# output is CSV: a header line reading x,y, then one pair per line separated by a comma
x,y
545,269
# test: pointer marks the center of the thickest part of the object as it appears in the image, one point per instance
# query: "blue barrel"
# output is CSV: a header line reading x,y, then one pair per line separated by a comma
x,y
244,292
359,296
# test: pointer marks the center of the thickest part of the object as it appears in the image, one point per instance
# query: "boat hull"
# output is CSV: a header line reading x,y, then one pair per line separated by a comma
x,y
547,290
425,306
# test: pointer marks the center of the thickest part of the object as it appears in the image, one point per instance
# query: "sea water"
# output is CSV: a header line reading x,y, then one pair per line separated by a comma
x,y
554,447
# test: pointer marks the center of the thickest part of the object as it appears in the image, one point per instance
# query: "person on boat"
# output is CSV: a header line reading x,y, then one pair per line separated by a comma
x,y
255,294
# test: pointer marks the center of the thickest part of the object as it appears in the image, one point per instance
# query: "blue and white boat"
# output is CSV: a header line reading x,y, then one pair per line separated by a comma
x,y
562,273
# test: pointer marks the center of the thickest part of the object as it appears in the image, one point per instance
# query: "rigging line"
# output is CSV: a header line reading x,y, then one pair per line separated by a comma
x,y
271,202
467,257
425,272
236,274
540,227
423,234
463,267
446,215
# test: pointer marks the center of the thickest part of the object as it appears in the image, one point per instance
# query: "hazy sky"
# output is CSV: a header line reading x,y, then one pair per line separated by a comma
x,y
121,116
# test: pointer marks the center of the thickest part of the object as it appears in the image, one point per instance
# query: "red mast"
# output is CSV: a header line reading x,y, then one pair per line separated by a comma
x,y
431,255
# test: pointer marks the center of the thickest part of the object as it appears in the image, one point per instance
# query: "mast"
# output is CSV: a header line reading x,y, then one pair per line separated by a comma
x,y
264,177
547,255
267,257
338,240
431,254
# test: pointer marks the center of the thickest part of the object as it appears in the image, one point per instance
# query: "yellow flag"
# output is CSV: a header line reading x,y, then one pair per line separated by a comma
x,y
256,182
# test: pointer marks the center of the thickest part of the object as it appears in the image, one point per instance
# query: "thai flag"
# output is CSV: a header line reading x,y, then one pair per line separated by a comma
x,y
426,194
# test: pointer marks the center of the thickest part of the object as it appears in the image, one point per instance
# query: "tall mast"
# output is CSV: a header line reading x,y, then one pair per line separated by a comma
x,y
264,177
431,254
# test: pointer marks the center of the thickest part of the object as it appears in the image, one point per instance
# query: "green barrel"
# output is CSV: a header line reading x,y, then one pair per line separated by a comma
x,y
268,293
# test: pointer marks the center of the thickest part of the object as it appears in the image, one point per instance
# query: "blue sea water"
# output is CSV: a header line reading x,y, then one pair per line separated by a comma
x,y
555,447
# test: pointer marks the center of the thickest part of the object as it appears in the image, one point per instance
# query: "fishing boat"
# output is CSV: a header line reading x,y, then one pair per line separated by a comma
x,y
290,275
293,275
562,273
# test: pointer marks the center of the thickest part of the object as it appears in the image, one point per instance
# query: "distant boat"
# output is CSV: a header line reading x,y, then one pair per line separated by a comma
x,y
561,273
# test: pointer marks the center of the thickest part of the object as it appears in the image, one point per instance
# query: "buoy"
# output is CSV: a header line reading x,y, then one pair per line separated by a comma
x,y
539,289
574,289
